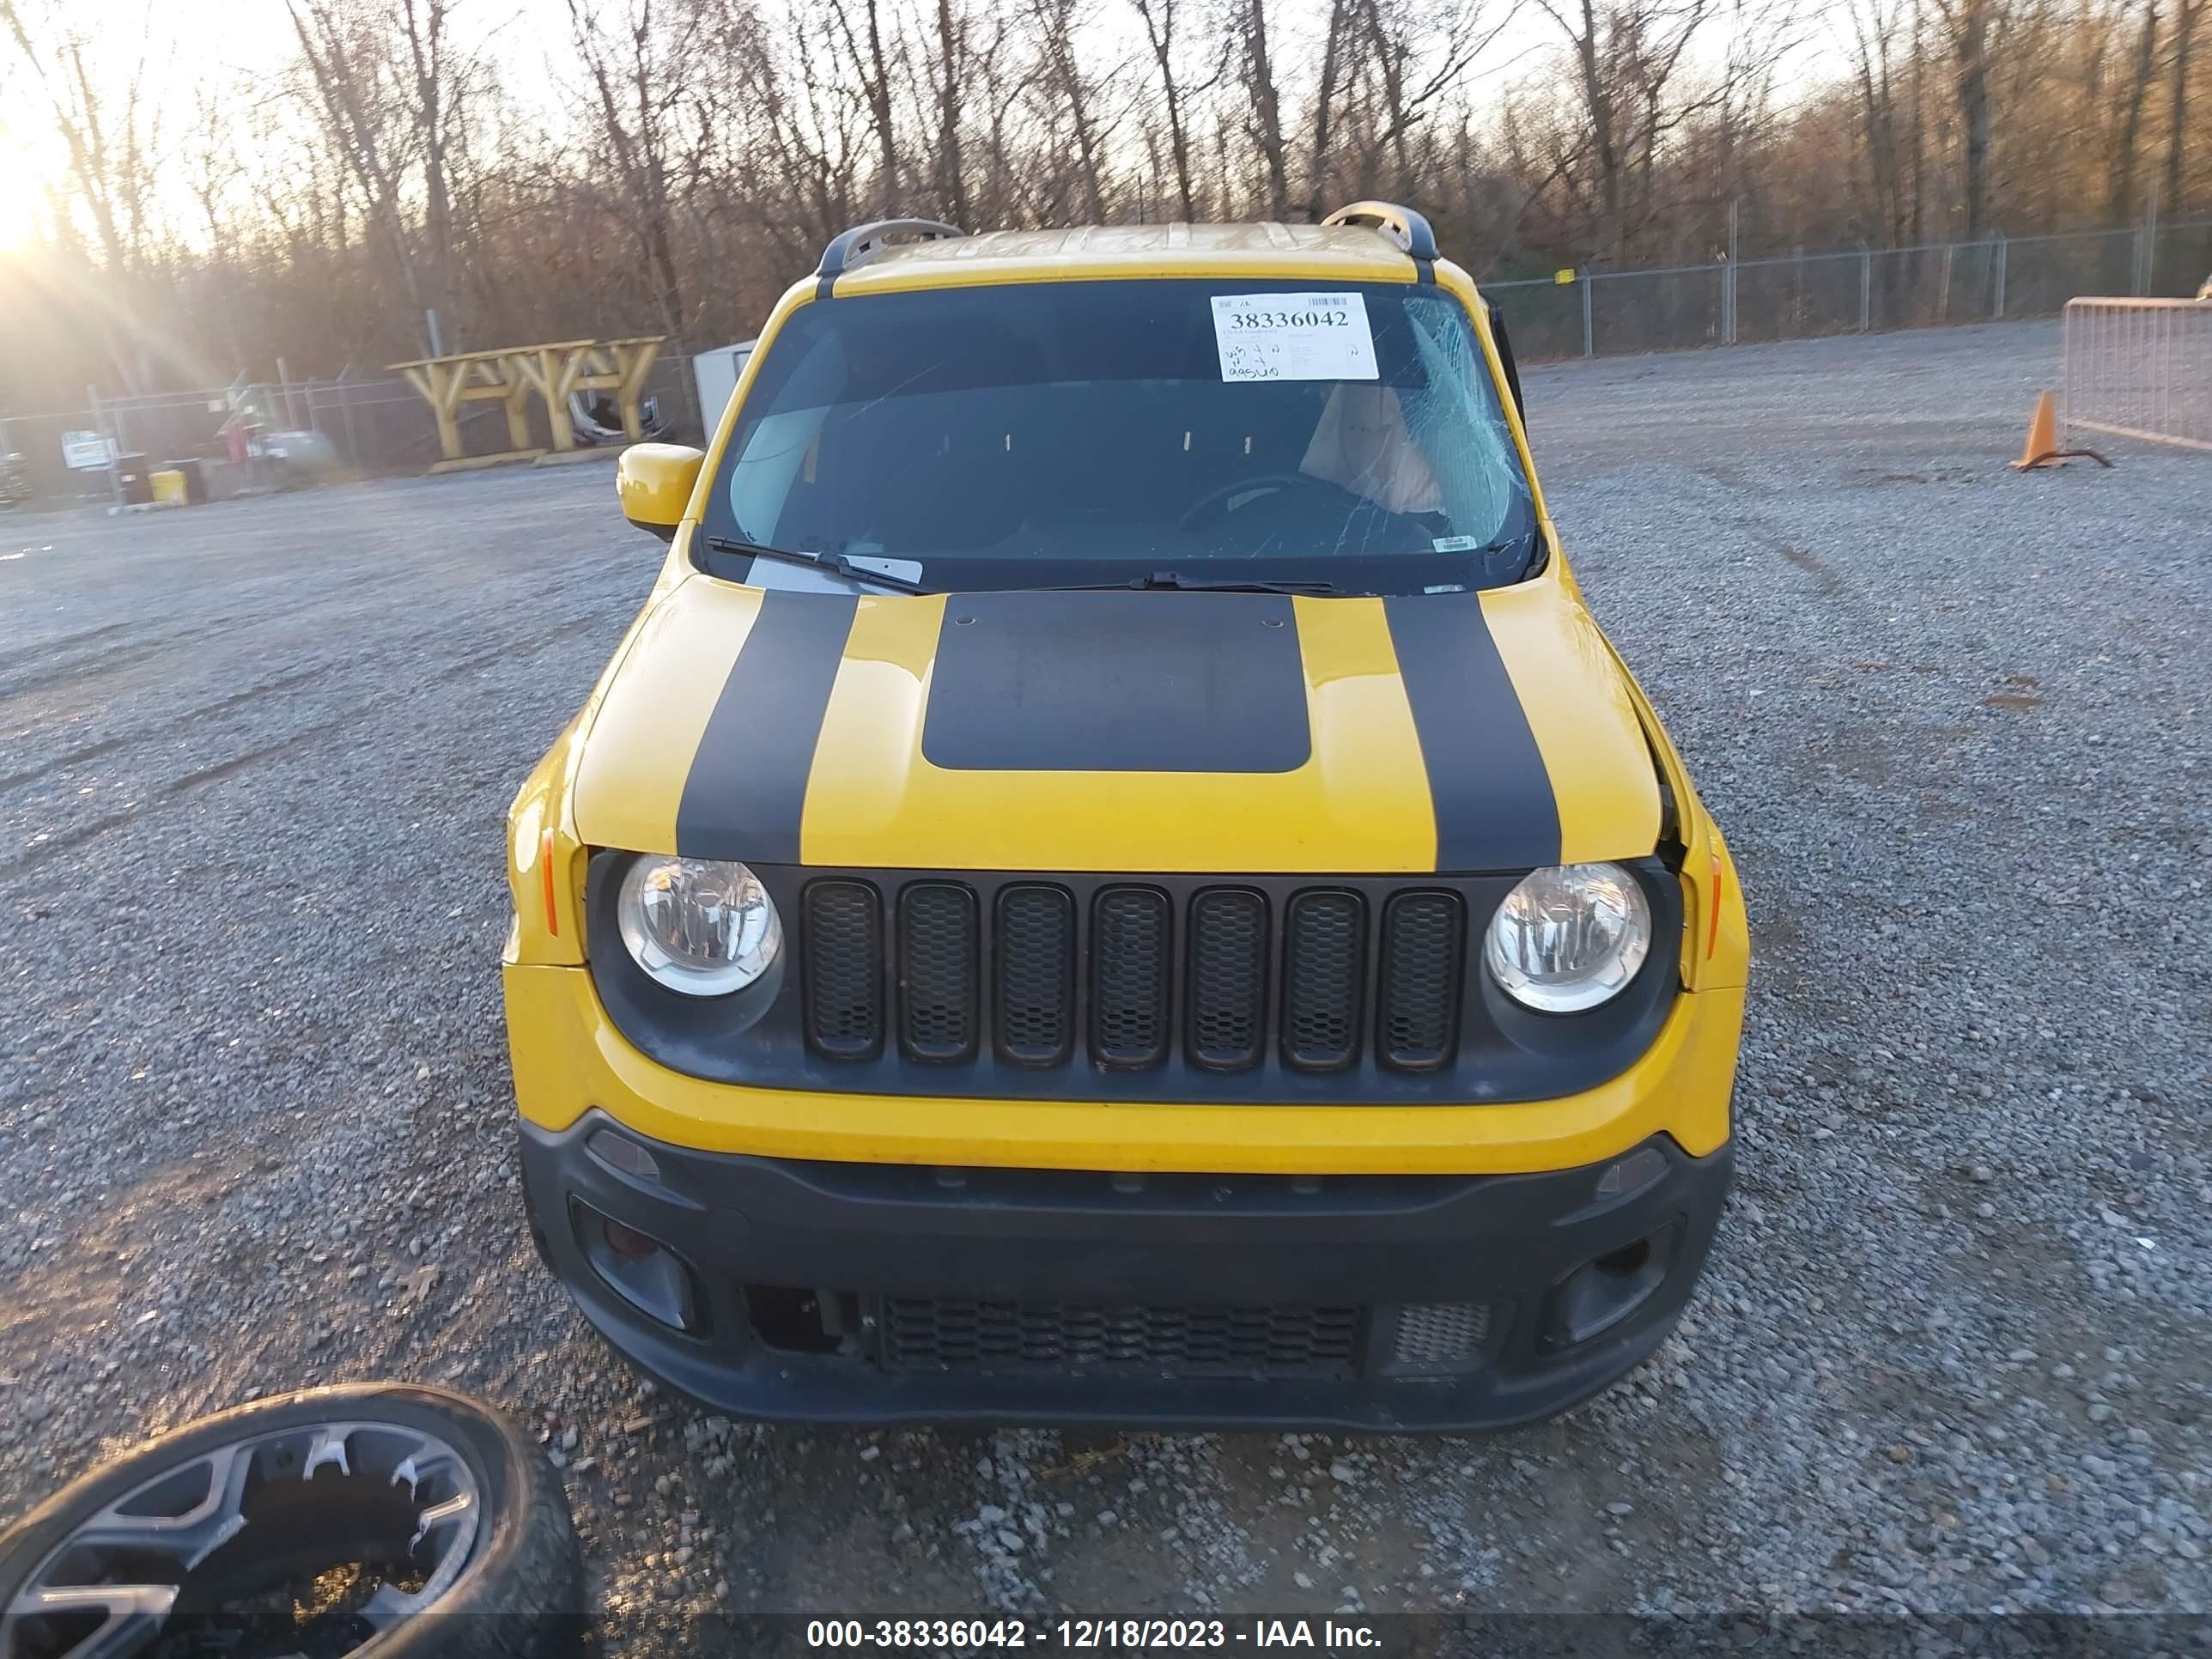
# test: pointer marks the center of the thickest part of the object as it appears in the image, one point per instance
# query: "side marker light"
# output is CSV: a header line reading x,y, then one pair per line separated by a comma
x,y
545,863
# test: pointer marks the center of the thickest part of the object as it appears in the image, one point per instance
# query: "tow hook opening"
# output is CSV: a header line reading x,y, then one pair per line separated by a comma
x,y
1606,1290
795,1320
637,1266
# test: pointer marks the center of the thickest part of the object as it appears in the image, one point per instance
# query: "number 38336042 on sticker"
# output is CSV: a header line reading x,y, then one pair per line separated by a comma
x,y
1293,336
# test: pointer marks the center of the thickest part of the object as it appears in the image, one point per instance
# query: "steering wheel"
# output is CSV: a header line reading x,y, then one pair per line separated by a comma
x,y
1215,501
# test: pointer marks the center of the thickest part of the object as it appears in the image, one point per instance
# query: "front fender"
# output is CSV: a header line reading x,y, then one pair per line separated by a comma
x,y
1716,940
545,856
545,863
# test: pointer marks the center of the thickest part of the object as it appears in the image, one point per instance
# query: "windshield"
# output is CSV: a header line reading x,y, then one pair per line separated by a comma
x,y
1061,434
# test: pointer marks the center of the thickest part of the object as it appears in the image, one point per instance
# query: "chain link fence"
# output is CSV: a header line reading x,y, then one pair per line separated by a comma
x,y
373,428
381,426
1867,290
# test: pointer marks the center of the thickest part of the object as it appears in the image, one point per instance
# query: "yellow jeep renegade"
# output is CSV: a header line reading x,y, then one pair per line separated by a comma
x,y
1115,878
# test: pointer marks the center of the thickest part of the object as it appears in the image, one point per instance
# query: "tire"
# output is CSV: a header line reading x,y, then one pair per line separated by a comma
x,y
515,1592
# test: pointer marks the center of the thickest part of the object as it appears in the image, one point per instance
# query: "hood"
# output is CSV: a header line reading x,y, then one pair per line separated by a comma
x,y
1190,733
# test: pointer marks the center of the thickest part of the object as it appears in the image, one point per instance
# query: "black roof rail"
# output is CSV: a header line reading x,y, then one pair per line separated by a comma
x,y
1407,228
850,247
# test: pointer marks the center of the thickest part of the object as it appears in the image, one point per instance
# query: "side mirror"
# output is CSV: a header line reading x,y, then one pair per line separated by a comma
x,y
1505,358
655,482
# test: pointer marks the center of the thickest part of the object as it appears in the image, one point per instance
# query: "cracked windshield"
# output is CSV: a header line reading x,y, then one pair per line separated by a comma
x,y
1066,434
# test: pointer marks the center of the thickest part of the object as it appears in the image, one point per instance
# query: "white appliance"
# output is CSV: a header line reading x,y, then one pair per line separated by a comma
x,y
716,372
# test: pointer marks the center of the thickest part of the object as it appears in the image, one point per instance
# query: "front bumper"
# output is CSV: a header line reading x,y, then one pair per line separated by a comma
x,y
1071,1294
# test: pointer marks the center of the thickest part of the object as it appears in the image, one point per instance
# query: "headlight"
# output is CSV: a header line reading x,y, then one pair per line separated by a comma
x,y
703,927
1570,937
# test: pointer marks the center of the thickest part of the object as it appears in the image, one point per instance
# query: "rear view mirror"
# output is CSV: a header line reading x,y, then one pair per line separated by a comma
x,y
654,481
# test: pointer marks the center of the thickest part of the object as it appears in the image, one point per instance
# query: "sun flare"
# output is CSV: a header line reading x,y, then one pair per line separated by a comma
x,y
22,196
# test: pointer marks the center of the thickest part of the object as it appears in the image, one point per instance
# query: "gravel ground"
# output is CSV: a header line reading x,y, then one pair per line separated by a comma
x,y
1952,1352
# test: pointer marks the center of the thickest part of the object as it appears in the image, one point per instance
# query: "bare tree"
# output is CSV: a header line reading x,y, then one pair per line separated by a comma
x,y
1160,18
423,26
2186,16
639,69
110,139
1248,24
1889,132
1969,24
1626,55
1336,49
2120,173
1072,92
1420,58
950,69
349,72
870,50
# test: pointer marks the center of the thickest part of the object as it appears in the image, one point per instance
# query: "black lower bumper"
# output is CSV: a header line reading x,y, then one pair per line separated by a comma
x,y
835,1292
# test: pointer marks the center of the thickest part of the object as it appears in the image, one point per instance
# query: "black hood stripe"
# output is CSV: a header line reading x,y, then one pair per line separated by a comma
x,y
1136,682
746,791
1493,800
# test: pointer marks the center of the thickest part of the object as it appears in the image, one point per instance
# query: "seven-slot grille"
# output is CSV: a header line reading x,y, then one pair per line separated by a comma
x,y
1130,975
957,1334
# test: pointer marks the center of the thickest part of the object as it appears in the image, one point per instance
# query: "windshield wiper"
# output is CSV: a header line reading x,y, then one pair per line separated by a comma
x,y
1170,580
837,562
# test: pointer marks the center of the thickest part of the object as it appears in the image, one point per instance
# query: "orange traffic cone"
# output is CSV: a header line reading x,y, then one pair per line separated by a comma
x,y
2042,449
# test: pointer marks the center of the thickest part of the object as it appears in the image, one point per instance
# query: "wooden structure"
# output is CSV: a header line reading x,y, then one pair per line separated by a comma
x,y
616,365
512,375
448,382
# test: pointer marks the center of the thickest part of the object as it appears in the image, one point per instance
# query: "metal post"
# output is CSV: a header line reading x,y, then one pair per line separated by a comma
x,y
437,342
1727,274
2000,277
2065,368
345,408
100,425
1866,290
1590,334
284,386
2150,241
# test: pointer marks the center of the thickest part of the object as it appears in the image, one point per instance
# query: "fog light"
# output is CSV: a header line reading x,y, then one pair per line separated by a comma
x,y
637,1266
627,1242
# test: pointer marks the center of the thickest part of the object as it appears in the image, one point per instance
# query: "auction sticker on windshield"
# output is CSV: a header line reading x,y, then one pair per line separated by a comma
x,y
1293,336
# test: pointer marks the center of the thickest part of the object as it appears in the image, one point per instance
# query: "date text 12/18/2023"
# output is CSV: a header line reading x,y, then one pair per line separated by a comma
x,y
1006,1635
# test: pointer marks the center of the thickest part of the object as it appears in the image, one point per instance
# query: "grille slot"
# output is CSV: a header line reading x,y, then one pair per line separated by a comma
x,y
1324,942
844,972
1131,935
1419,1023
1439,1339
951,1333
938,970
1035,943
1228,953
